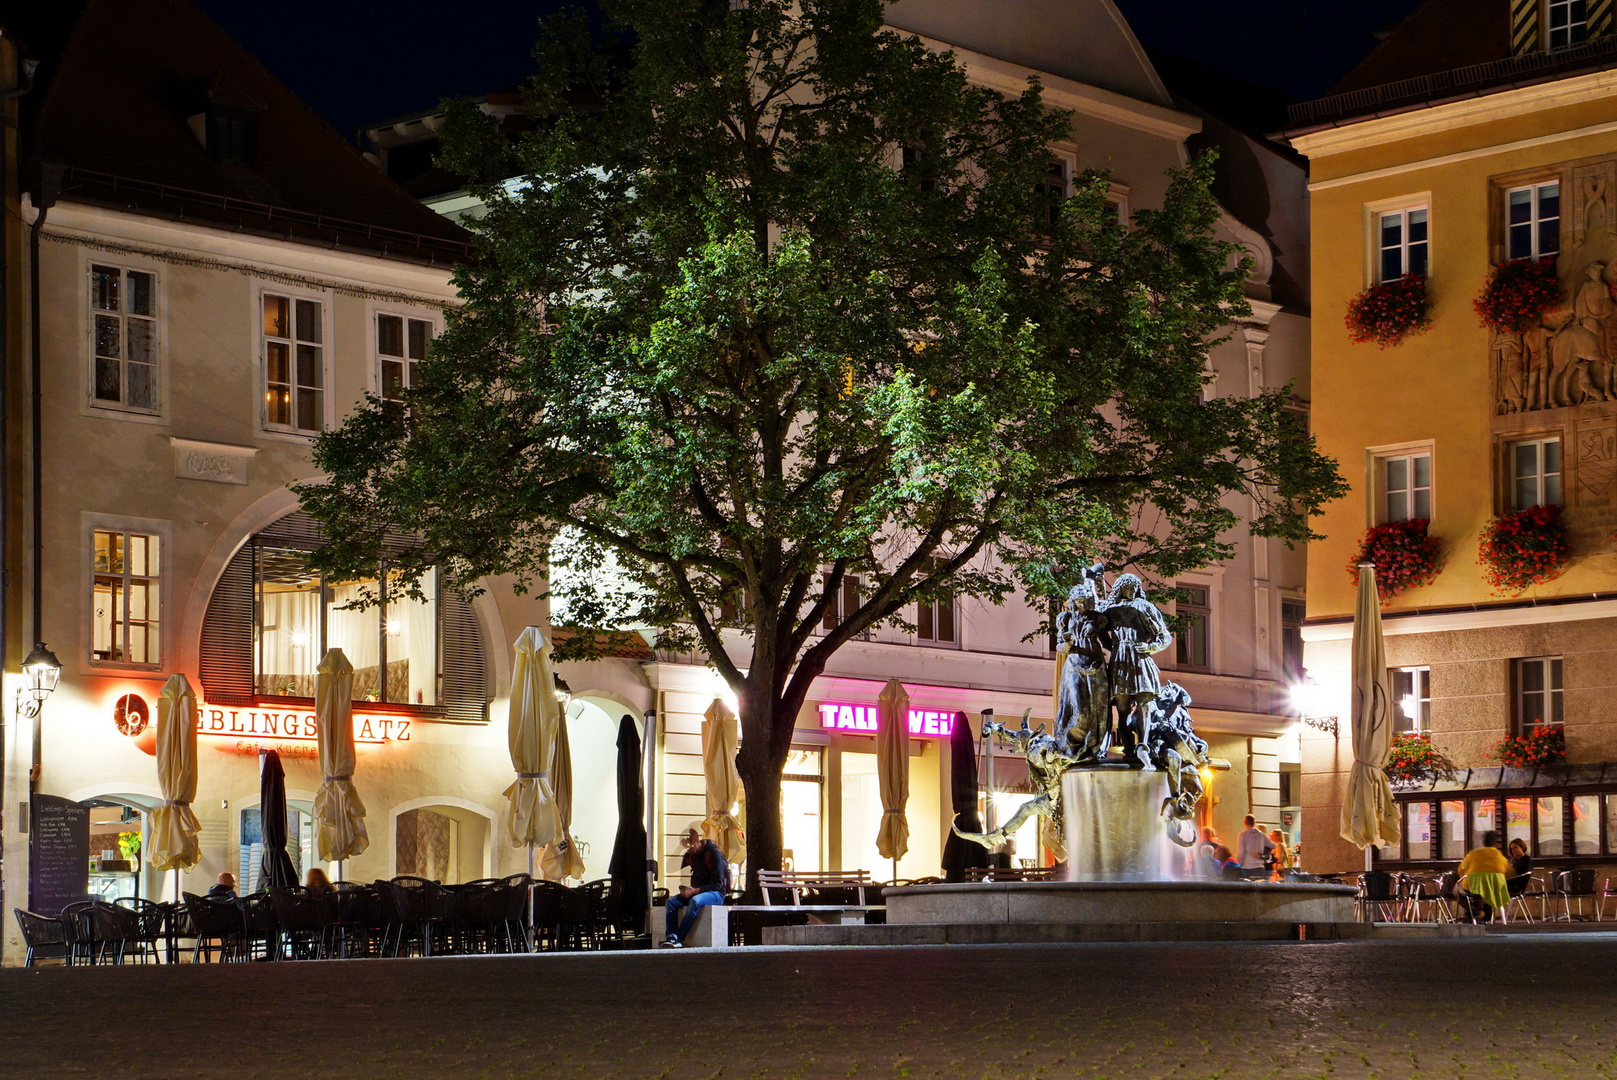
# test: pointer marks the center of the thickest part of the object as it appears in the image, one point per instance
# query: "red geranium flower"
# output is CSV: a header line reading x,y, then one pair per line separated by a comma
x,y
1403,553
1526,548
1389,312
1518,293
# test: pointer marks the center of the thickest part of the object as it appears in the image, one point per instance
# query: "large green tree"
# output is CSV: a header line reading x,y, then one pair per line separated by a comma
x,y
778,300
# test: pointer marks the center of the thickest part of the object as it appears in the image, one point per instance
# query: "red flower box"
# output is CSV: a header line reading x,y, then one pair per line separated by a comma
x,y
1535,750
1403,553
1389,312
1526,548
1518,293
1412,759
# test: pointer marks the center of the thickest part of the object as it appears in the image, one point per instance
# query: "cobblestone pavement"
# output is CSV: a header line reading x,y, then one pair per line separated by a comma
x,y
1524,1007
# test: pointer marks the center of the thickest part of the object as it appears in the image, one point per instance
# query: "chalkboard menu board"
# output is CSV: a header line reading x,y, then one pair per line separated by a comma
x,y
58,853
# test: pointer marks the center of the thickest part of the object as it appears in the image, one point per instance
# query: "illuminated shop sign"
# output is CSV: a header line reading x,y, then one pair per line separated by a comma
x,y
294,725
865,719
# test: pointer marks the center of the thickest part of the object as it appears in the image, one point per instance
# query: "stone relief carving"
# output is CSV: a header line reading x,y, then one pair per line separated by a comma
x,y
1596,462
219,463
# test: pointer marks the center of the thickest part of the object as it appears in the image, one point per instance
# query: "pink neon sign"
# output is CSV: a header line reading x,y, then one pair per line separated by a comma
x,y
865,719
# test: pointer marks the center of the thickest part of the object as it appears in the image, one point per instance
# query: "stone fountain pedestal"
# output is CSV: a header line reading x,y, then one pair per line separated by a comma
x,y
1114,825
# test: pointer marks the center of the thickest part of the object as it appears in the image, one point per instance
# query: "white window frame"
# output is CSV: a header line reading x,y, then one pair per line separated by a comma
x,y
1535,220
89,404
373,313
1205,612
1541,478
89,525
1376,458
1403,204
261,342
1411,490
1421,685
1554,691
954,617
1569,30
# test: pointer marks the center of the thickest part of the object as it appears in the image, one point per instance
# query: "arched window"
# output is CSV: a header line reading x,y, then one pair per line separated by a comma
x,y
271,618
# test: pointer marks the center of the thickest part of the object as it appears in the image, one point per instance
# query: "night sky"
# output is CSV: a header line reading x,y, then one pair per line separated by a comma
x,y
360,61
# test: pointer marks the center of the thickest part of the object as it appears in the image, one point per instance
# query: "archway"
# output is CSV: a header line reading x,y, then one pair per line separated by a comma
x,y
442,838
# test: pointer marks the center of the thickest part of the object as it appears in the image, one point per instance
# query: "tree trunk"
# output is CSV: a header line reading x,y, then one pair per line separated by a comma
x,y
761,767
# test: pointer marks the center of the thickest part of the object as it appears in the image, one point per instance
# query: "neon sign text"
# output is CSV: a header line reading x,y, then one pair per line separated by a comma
x,y
866,719
297,725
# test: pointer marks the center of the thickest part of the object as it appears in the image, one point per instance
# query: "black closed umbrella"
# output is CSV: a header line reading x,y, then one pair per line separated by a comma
x,y
628,865
960,853
276,869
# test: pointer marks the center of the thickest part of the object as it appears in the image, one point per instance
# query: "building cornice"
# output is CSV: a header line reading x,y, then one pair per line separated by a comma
x,y
1529,613
1085,100
1362,134
1492,150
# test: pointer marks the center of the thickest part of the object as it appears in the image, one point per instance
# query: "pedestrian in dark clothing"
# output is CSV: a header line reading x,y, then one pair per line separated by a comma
x,y
710,877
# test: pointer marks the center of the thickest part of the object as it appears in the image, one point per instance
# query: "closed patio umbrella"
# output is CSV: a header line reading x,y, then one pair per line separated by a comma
x,y
174,826
1369,815
721,737
958,852
276,868
531,732
628,865
338,812
562,860
893,771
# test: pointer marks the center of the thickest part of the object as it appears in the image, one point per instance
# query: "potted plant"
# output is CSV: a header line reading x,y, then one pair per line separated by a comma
x,y
1518,293
1412,759
1404,554
1538,749
1528,547
1388,312
129,846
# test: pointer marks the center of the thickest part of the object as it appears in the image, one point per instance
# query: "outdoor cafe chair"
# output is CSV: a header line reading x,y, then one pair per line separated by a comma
x,y
262,938
298,917
343,915
1607,891
1578,885
1377,897
1424,900
422,906
150,926
517,925
216,920
78,932
1520,891
43,936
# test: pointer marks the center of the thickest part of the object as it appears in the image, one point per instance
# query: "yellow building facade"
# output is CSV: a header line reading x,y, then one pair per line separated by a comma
x,y
1451,172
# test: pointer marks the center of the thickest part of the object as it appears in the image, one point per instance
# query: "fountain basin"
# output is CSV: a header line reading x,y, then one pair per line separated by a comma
x,y
1115,902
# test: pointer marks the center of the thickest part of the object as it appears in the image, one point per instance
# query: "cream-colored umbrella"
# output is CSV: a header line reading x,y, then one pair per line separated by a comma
x,y
174,827
893,770
531,731
1369,815
721,736
338,812
562,860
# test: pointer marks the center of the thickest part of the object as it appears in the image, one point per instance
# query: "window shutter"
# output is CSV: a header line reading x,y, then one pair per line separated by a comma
x,y
1599,17
465,661
227,635
1524,16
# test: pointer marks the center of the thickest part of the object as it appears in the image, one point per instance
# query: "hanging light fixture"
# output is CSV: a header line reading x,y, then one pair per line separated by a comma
x,y
40,671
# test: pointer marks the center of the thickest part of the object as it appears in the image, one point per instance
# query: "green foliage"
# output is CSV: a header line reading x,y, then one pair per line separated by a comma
x,y
732,341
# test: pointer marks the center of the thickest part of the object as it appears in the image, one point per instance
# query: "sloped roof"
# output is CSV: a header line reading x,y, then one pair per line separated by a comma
x,y
115,117
1440,35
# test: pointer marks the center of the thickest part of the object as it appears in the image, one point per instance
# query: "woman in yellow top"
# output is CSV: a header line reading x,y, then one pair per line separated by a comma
x,y
1480,887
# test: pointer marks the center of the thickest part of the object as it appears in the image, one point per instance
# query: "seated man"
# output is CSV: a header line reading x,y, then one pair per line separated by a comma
x,y
1480,885
710,877
224,888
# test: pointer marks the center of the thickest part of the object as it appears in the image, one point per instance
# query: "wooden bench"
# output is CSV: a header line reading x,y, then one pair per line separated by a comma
x,y
713,926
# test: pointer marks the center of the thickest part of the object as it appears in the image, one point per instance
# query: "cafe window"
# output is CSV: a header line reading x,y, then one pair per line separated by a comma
x,y
1547,825
126,598
1418,830
272,618
1586,824
1411,700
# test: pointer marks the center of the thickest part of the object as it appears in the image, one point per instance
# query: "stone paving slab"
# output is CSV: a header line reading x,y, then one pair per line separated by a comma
x,y
1506,1007
1047,933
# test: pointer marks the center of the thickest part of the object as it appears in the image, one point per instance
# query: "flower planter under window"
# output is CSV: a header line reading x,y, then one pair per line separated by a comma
x,y
1526,548
1389,312
1404,555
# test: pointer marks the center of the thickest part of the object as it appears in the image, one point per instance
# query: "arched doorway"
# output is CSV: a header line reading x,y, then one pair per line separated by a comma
x,y
592,737
444,839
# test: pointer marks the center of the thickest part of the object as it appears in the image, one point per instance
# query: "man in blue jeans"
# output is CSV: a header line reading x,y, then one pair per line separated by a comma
x,y
710,875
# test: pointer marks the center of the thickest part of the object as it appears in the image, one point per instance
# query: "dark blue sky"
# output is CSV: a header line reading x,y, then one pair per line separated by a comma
x,y
359,61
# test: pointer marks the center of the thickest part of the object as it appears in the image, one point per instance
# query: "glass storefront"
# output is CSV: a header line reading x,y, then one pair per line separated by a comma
x,y
1559,824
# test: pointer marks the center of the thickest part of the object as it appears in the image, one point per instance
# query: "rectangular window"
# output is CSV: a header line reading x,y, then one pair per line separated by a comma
x,y
1538,693
294,364
1053,190
1451,817
1190,644
123,309
935,621
1418,830
393,647
1567,22
1586,824
1401,239
1406,484
1533,220
1611,824
1412,700
1482,819
1292,613
1547,812
1535,473
843,604
401,344
125,600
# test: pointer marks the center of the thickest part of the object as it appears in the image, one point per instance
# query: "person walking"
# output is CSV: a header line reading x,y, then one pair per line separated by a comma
x,y
1252,849
1282,857
710,877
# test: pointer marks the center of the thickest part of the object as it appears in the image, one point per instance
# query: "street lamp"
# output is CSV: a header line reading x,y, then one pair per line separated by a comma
x,y
1316,707
564,693
40,669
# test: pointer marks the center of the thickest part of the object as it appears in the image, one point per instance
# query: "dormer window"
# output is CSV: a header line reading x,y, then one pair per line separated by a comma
x,y
1566,22
232,135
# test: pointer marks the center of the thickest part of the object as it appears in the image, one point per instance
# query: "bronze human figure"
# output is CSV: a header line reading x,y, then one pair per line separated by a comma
x,y
1084,702
1138,631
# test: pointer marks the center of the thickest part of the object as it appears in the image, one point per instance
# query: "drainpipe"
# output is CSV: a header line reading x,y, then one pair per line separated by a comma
x,y
25,83
43,196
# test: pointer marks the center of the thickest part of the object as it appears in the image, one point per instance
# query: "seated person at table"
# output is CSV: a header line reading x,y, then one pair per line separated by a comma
x,y
1520,878
316,881
710,876
1480,886
224,888
1229,867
